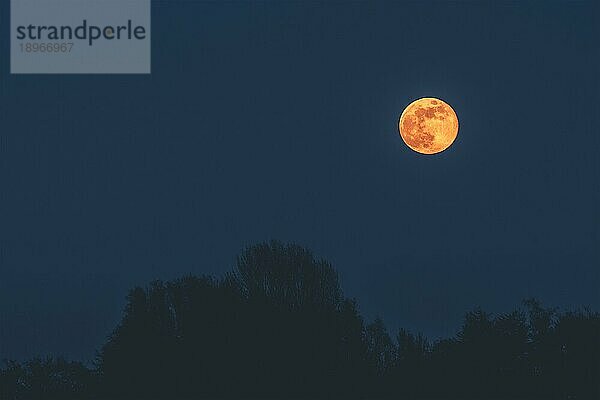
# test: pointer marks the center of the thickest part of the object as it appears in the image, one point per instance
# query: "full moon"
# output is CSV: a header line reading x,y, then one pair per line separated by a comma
x,y
428,125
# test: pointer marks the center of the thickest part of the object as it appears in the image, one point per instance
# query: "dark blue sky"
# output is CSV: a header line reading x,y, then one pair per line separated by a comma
x,y
279,121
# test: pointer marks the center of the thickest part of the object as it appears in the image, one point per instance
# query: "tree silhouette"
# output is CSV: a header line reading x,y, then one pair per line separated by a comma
x,y
50,378
412,362
287,276
279,326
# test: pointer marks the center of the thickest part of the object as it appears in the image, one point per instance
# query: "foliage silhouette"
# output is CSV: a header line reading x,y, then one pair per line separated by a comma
x,y
279,326
47,378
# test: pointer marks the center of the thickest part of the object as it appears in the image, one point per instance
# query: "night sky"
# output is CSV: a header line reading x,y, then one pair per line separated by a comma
x,y
273,120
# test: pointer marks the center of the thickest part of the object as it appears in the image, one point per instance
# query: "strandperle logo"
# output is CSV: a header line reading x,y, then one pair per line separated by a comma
x,y
80,36
86,32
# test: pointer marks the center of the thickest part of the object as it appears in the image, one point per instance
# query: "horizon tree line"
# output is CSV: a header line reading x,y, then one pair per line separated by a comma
x,y
279,326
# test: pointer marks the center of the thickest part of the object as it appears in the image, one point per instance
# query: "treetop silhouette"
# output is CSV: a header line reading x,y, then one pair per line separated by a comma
x,y
279,326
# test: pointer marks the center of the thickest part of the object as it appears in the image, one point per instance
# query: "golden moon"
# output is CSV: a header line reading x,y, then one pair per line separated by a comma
x,y
428,125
